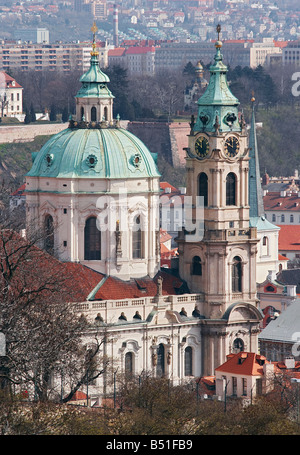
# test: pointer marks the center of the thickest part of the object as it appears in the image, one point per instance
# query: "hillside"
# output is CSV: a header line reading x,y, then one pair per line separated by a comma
x,y
15,161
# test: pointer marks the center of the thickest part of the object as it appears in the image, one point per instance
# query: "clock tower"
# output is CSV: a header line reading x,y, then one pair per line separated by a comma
x,y
221,262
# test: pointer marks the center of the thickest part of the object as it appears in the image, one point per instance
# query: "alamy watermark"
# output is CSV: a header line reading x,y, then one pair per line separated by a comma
x,y
296,86
173,214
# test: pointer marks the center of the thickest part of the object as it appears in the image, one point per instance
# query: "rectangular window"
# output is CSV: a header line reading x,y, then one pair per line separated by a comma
x,y
234,386
244,386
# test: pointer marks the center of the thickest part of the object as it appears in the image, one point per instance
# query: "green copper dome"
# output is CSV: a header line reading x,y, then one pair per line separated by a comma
x,y
111,152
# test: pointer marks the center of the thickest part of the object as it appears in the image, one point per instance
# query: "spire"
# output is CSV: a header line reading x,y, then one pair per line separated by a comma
x,y
94,81
94,100
94,29
255,190
218,98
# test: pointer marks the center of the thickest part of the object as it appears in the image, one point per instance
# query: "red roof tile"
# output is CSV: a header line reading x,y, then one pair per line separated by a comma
x,y
289,238
9,80
273,201
246,363
116,289
118,52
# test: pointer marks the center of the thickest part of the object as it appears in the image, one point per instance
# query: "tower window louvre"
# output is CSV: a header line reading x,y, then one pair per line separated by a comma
x,y
231,189
237,274
203,187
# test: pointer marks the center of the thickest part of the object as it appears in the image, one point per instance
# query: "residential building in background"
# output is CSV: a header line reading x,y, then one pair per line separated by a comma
x,y
11,96
37,35
60,57
137,59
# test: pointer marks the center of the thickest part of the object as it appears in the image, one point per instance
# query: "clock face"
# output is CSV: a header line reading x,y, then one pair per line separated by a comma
x,y
232,146
202,146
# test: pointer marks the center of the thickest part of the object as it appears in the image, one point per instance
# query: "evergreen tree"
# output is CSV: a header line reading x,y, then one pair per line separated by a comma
x,y
65,115
27,118
53,113
32,114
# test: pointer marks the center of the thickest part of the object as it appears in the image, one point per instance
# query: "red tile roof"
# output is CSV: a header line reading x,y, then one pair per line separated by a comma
x,y
78,395
273,201
9,80
164,185
116,289
246,363
164,236
19,191
282,258
118,52
289,238
76,281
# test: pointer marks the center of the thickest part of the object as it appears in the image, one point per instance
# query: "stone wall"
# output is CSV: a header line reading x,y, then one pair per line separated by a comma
x,y
27,133
167,139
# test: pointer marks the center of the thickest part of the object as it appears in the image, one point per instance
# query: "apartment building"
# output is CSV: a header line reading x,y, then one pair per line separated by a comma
x,y
235,53
137,59
291,53
176,55
51,57
259,52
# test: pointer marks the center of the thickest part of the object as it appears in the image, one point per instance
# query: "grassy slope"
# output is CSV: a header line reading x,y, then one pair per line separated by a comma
x,y
15,160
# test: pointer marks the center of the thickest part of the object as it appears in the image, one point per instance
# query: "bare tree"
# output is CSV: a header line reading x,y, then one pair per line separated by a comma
x,y
42,330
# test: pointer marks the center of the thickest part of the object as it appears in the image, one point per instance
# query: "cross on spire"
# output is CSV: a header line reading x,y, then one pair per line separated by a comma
x,y
94,30
218,31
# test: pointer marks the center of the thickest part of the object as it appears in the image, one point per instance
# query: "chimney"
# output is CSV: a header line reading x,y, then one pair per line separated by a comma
x,y
265,179
291,290
182,190
290,362
271,275
116,26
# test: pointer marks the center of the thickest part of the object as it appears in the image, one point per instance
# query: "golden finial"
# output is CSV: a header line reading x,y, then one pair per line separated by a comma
x,y
94,29
218,43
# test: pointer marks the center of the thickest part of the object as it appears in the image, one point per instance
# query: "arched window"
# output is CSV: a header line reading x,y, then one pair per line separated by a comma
x,y
291,218
231,189
238,345
282,218
188,361
203,187
196,266
237,274
92,240
49,234
160,367
81,113
137,247
105,113
93,114
265,246
274,218
128,363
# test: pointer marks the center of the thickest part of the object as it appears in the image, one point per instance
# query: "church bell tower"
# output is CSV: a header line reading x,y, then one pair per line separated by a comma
x,y
222,264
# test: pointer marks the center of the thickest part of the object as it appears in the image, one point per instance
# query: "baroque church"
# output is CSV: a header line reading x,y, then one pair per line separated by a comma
x,y
94,189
